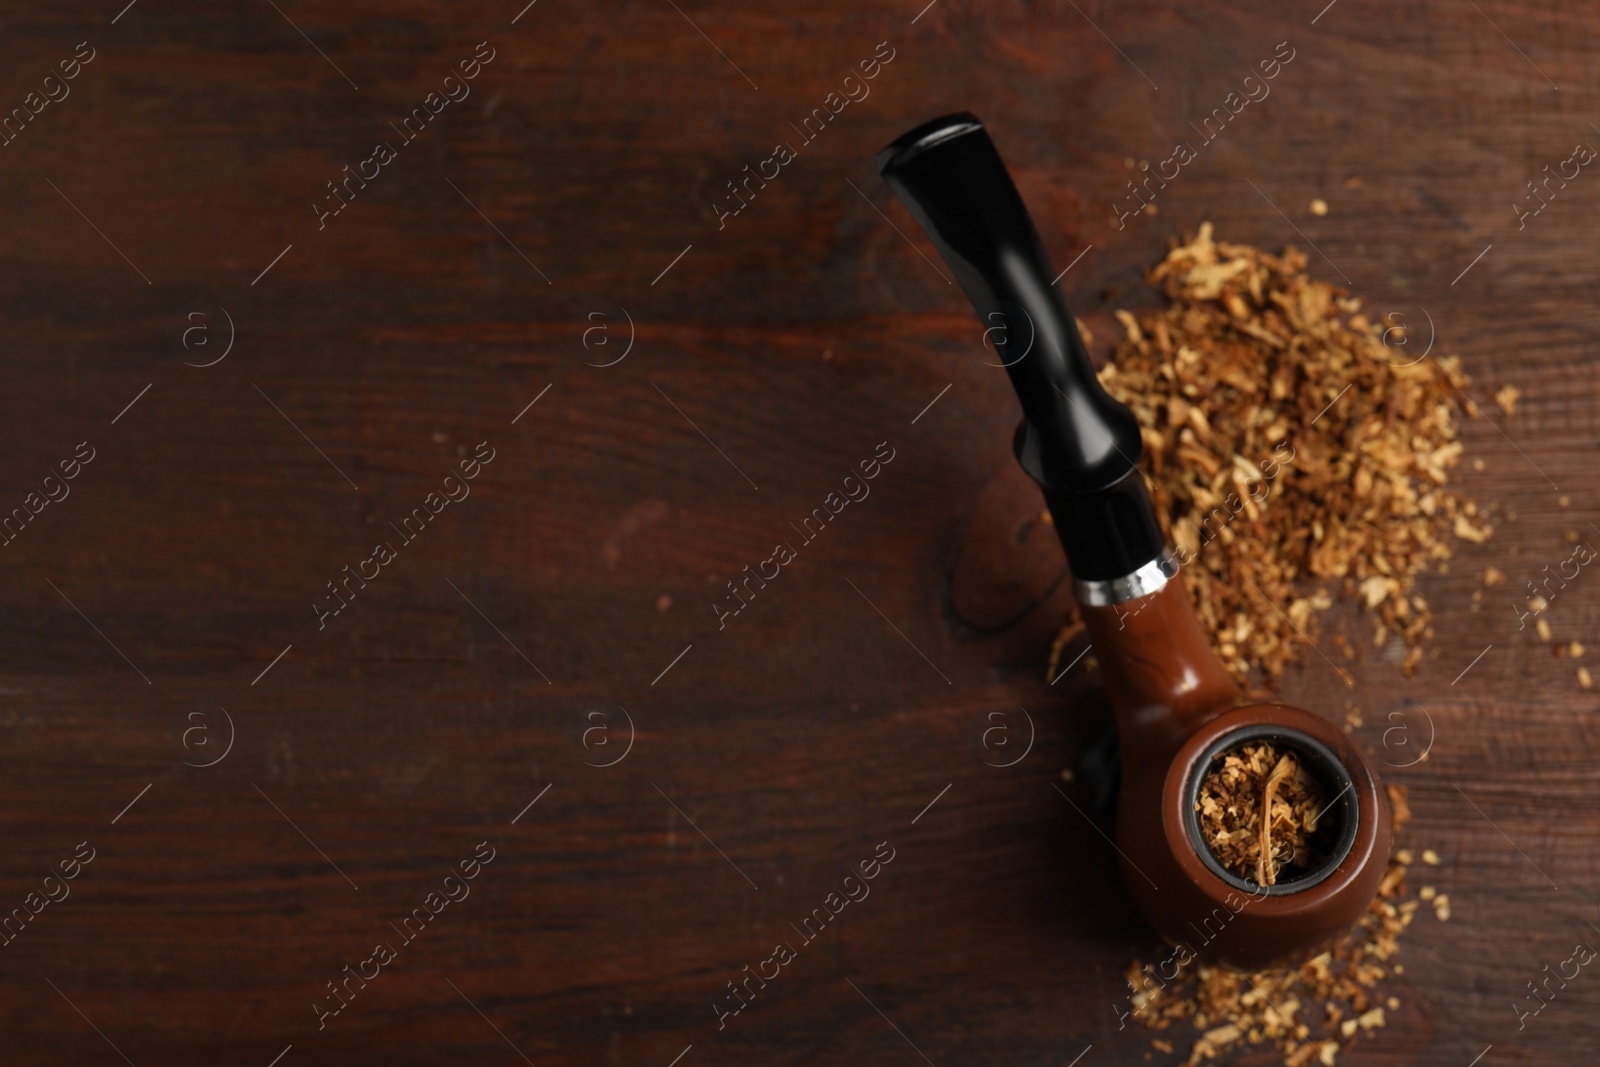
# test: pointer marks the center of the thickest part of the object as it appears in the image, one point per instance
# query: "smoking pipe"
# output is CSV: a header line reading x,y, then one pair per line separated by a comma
x,y
1177,709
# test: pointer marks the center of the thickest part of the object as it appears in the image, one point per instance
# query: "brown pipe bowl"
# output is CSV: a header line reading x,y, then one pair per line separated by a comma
x,y
1188,904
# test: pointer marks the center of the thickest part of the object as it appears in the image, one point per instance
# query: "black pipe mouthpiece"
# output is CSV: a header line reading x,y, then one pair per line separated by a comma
x,y
1078,443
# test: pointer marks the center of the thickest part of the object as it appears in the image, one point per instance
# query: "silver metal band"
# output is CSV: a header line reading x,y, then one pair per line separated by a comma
x,y
1142,582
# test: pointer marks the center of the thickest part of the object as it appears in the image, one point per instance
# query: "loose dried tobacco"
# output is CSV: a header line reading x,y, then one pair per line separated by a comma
x,y
1260,812
1290,440
1311,1012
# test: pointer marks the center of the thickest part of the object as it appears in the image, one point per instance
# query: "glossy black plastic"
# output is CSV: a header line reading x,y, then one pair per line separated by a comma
x,y
1106,534
1079,444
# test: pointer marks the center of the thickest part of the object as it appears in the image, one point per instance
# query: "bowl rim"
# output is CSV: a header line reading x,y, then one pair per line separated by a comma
x,y
1324,764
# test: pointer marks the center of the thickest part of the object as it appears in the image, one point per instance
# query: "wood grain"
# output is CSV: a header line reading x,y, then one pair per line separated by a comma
x,y
782,349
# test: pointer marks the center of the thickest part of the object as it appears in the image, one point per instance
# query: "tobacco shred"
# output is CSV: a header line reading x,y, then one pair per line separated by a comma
x,y
1291,442
1246,783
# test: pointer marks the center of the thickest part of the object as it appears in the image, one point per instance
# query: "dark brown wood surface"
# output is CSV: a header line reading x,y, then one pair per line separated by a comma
x,y
569,200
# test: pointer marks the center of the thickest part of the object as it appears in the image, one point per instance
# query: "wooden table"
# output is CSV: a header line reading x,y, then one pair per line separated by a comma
x,y
536,671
